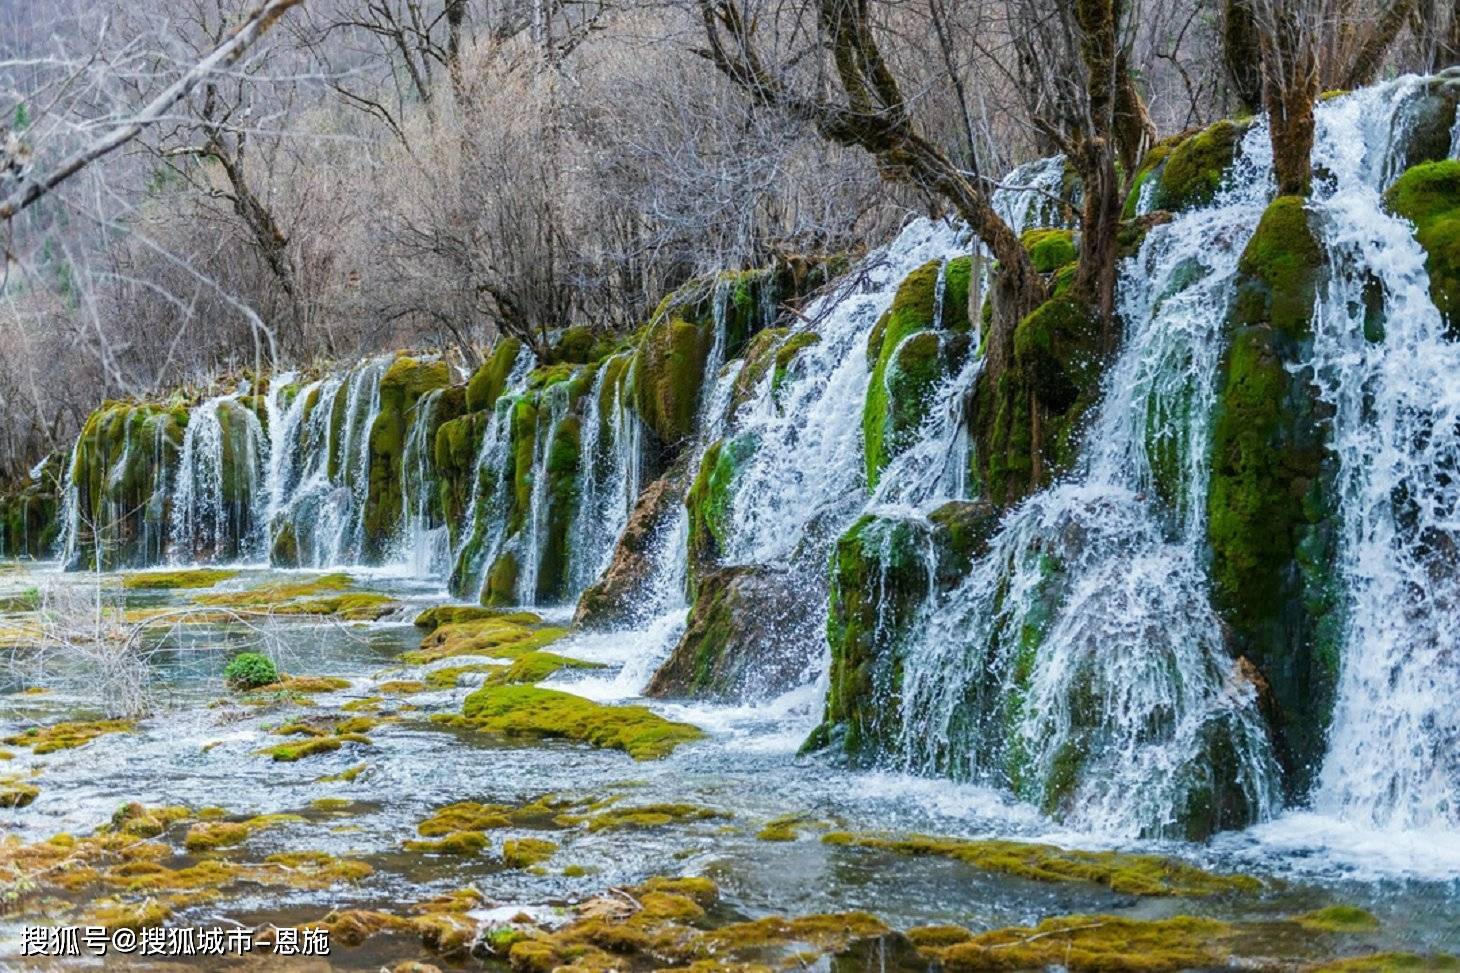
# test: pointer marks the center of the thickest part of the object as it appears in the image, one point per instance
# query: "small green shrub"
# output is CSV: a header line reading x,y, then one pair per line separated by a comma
x,y
250,670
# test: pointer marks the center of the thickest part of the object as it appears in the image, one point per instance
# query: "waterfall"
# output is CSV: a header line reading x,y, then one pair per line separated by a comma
x,y
608,480
319,470
1080,661
218,482
1394,741
485,521
551,412
807,469
422,543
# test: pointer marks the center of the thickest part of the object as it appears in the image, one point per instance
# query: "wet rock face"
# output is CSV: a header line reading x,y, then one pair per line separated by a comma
x,y
611,601
746,638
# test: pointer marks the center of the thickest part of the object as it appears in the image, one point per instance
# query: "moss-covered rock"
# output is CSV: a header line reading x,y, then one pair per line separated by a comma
x,y
1428,195
401,388
1269,503
917,343
1194,170
1027,424
743,641
489,381
533,712
123,461
668,375
710,498
878,580
618,596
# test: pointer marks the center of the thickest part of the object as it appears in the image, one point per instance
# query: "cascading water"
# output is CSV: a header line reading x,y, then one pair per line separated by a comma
x,y
1080,661
1394,743
218,484
485,521
320,469
552,411
608,481
423,543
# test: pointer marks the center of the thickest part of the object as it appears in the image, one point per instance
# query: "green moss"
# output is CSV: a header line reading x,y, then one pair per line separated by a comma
x,y
186,578
66,736
465,816
1128,874
501,586
1339,918
526,852
1049,249
489,381
503,636
669,368
907,357
1269,519
711,495
576,344
1093,943
649,816
433,618
787,353
1195,168
1390,963
313,746
1428,195
535,667
455,843
400,389
273,594
533,712
14,793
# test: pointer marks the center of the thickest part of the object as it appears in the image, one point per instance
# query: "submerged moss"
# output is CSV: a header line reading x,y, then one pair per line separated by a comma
x,y
66,736
185,578
526,852
1339,918
648,816
1130,874
14,793
529,711
1092,943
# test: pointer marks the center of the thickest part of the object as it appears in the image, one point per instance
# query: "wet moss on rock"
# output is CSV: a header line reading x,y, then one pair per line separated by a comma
x,y
917,343
1428,195
1195,168
402,386
532,712
1269,504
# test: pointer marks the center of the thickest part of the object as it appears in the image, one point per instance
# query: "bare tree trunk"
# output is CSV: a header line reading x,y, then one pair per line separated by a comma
x,y
1242,52
1370,57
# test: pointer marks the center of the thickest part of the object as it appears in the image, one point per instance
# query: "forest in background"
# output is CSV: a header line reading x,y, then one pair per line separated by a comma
x,y
412,173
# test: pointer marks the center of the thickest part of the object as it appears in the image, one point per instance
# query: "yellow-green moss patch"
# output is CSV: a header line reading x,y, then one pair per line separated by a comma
x,y
1121,872
65,736
525,852
170,580
529,711
1339,918
454,843
1091,943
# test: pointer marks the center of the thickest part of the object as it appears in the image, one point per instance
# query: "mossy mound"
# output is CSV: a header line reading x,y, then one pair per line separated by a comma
x,y
66,736
647,816
170,580
1128,874
500,636
915,345
526,852
1269,506
454,843
528,711
1092,943
14,793
488,382
535,667
1195,168
668,372
1339,918
1049,249
1428,195
212,835
275,593
433,618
